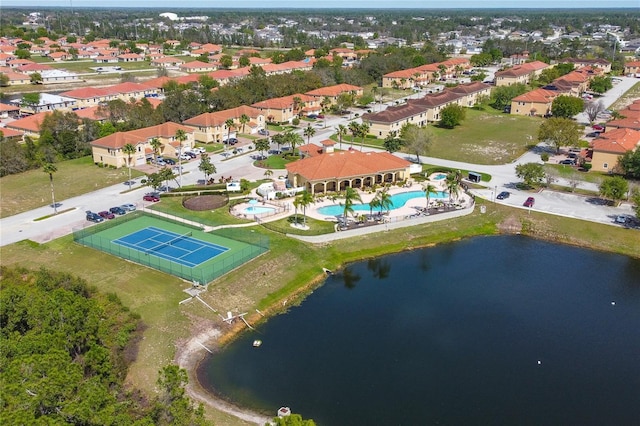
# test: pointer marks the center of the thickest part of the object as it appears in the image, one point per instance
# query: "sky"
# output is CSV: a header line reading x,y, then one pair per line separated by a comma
x,y
172,5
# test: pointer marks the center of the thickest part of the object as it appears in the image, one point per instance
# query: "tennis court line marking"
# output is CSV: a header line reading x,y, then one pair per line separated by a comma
x,y
178,259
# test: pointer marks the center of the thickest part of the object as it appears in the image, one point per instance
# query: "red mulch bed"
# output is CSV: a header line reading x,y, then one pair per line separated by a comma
x,y
205,202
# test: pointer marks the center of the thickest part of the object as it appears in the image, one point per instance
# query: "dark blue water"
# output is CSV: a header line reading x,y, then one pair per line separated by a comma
x,y
496,330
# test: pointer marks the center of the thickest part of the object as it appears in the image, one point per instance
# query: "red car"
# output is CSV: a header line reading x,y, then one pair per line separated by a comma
x,y
151,197
598,128
530,202
106,215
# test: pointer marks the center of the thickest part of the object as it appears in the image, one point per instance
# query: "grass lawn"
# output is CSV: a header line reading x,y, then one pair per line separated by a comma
x,y
288,271
29,190
276,162
484,137
173,206
566,171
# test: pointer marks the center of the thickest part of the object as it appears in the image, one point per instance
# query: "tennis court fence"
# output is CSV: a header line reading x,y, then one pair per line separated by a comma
x,y
203,273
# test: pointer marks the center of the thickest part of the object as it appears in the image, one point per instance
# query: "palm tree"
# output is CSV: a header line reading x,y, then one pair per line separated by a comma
x,y
374,203
129,149
268,173
350,197
453,184
50,168
341,131
244,119
304,199
309,132
229,123
155,145
181,136
385,200
354,128
428,189
364,129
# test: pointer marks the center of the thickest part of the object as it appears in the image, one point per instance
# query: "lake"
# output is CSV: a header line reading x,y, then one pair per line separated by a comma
x,y
490,330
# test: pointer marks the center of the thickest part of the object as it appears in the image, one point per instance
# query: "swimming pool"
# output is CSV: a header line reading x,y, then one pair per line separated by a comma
x,y
397,200
258,210
440,176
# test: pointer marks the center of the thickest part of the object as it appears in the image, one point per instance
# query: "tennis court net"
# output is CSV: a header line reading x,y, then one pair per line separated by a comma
x,y
168,243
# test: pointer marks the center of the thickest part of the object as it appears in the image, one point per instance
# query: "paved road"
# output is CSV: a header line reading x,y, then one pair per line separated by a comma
x,y
24,226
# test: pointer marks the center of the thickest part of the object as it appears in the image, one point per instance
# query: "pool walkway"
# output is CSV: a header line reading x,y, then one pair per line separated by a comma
x,y
414,213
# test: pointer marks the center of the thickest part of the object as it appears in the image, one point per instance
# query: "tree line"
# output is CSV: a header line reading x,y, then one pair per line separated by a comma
x,y
65,354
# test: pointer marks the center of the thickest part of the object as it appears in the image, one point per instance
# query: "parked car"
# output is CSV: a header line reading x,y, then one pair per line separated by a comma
x,y
503,195
161,163
231,141
274,152
94,217
200,149
263,132
185,157
117,210
621,219
320,116
191,154
598,128
129,207
151,197
170,161
312,116
593,134
106,215
568,162
530,202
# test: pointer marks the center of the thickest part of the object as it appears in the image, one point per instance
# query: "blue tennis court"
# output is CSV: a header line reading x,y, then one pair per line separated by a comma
x,y
183,249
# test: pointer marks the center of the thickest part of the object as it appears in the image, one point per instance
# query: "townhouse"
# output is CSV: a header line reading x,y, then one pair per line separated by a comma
x,y
286,108
332,93
424,110
109,149
522,74
211,127
609,146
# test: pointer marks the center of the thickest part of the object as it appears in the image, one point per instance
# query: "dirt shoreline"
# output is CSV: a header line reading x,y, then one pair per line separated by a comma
x,y
189,355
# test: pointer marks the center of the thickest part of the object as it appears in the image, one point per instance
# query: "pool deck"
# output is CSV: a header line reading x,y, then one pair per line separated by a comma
x,y
410,208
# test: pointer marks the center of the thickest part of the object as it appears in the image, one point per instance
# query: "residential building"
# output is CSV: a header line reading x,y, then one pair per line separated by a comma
x,y
535,102
332,93
609,146
286,108
212,126
108,150
520,73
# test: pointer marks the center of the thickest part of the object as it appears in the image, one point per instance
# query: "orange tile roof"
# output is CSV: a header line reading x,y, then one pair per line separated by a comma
x,y
218,118
91,113
628,123
120,139
87,93
537,96
283,102
8,108
619,140
30,123
346,164
10,133
334,90
524,69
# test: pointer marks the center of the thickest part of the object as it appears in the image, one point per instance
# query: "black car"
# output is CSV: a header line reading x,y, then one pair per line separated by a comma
x,y
568,162
191,154
170,161
503,195
117,210
94,217
231,141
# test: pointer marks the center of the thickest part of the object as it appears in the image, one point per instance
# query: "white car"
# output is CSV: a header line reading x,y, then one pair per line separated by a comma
x,y
199,149
186,157
128,207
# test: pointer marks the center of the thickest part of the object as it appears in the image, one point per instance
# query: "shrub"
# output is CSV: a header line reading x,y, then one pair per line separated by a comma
x,y
544,157
587,166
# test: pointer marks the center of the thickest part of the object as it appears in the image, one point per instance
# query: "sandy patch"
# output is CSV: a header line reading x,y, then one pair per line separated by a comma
x,y
189,354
